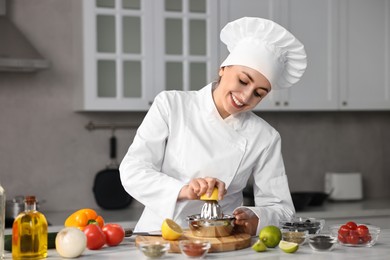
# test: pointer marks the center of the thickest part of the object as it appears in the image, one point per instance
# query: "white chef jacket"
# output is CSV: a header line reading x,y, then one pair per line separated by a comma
x,y
183,137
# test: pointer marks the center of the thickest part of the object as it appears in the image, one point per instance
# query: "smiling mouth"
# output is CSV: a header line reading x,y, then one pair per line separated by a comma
x,y
236,102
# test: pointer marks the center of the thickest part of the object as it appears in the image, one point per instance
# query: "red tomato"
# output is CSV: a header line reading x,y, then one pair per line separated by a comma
x,y
362,230
352,225
365,239
95,237
342,239
344,230
114,234
352,239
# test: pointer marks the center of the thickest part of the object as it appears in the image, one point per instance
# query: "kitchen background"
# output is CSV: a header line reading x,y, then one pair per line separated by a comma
x,y
47,151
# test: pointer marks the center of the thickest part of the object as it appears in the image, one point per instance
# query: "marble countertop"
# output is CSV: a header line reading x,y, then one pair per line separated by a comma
x,y
128,250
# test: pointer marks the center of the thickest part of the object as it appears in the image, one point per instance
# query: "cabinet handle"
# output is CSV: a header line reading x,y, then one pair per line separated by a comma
x,y
150,103
277,103
286,103
344,103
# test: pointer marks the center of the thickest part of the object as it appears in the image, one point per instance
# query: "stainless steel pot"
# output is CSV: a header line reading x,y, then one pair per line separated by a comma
x,y
14,207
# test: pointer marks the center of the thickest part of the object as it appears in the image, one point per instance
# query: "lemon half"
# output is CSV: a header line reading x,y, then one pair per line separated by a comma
x,y
288,247
214,195
170,230
259,246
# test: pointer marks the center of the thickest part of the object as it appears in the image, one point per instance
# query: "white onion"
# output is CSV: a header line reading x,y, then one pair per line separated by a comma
x,y
71,242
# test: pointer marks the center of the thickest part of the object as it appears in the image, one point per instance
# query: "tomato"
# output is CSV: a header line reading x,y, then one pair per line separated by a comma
x,y
341,238
95,237
362,230
344,230
352,239
352,225
365,239
114,234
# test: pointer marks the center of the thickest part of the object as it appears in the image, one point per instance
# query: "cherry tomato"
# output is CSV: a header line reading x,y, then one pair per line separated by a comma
x,y
95,237
344,230
352,225
352,239
365,239
362,230
342,239
114,234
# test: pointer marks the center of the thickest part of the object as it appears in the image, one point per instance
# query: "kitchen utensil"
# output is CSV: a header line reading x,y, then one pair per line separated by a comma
x,y
108,189
211,210
218,244
130,232
220,227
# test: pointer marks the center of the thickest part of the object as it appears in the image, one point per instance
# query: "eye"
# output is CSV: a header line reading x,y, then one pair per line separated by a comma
x,y
257,94
243,82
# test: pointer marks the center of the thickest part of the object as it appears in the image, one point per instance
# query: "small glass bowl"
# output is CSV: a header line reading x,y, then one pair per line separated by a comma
x,y
367,241
312,225
155,249
295,236
322,242
194,248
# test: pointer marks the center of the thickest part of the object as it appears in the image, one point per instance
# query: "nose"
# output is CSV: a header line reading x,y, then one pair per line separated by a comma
x,y
246,95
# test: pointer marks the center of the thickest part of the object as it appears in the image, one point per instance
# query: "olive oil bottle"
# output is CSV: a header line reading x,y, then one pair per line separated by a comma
x,y
29,233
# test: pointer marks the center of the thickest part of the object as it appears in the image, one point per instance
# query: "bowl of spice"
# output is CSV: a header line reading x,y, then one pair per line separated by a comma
x,y
312,225
194,248
322,242
154,249
295,236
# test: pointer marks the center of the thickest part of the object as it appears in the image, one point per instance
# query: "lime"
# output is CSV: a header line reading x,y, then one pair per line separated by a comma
x,y
271,236
259,246
170,230
214,195
288,247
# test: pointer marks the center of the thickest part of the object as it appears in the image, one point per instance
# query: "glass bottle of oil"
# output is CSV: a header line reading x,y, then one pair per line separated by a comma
x,y
29,233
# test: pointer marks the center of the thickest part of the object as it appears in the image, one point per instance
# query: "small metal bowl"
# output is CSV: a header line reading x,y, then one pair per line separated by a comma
x,y
222,227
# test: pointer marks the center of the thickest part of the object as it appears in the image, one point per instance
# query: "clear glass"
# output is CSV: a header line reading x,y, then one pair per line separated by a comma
x,y
131,4
2,221
197,6
173,36
198,37
105,3
173,5
132,80
105,33
174,76
197,75
106,78
29,233
131,34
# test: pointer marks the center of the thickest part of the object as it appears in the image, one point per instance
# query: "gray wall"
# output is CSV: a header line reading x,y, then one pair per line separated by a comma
x,y
45,149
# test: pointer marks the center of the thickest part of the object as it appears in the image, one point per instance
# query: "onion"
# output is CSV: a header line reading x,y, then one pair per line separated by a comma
x,y
71,242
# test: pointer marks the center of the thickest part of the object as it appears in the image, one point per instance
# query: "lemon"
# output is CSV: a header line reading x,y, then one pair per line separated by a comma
x,y
170,230
271,236
214,195
288,247
259,246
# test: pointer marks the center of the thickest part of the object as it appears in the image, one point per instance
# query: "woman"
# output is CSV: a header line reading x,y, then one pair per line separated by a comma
x,y
191,142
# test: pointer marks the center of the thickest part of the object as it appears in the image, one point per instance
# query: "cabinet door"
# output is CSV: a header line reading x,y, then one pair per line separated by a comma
x,y
365,54
117,41
186,53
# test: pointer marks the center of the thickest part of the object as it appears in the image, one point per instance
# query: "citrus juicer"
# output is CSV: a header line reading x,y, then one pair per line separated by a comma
x,y
211,208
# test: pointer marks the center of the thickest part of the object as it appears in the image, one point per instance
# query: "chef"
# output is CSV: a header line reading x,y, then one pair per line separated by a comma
x,y
192,141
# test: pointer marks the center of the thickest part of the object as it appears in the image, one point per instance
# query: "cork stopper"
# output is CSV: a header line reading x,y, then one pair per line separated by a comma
x,y
30,200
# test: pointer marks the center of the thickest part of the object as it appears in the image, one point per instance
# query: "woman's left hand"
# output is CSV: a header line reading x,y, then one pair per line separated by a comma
x,y
246,221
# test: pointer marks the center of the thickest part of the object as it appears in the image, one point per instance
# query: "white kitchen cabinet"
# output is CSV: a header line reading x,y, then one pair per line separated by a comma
x,y
133,49
364,55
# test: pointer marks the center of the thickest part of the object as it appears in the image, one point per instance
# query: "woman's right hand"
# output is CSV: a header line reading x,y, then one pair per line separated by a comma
x,y
199,186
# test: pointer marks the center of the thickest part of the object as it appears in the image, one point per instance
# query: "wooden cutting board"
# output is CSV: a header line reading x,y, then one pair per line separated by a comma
x,y
218,244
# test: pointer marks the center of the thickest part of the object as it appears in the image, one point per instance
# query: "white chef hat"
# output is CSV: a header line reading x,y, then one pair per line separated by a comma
x,y
267,47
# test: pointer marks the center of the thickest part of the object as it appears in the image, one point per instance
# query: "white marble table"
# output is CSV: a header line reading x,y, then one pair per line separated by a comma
x,y
128,250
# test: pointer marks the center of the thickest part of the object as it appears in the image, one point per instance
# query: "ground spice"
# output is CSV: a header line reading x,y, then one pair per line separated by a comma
x,y
154,251
321,242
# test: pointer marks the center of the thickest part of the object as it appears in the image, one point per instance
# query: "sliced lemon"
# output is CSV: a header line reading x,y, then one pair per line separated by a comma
x,y
288,247
214,195
170,230
259,246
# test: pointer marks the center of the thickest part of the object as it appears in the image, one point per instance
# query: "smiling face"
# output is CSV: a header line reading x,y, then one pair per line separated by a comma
x,y
240,89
